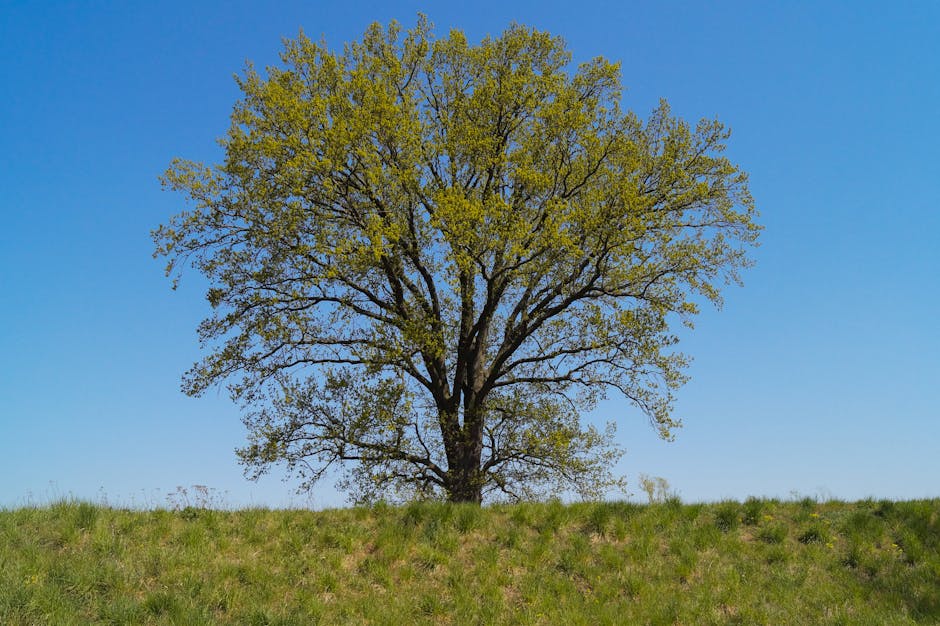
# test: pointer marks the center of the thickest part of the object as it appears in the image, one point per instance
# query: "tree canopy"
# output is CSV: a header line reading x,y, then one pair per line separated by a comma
x,y
428,258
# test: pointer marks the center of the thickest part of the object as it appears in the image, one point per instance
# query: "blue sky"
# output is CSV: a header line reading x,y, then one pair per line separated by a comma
x,y
820,376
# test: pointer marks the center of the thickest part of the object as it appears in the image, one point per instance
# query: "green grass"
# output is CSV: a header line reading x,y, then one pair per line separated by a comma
x,y
757,562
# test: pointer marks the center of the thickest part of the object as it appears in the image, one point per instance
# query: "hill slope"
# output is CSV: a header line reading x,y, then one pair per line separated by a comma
x,y
616,563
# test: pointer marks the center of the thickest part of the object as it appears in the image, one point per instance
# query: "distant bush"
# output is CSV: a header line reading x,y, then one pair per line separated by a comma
x,y
753,507
775,533
727,515
813,534
195,497
656,488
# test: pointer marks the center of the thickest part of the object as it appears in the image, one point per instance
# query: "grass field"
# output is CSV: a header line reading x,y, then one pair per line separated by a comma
x,y
757,562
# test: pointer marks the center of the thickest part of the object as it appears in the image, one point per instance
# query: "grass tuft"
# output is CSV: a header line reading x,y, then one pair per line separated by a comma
x,y
727,516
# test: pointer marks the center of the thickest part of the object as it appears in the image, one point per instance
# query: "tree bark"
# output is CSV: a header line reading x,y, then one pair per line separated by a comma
x,y
466,485
465,478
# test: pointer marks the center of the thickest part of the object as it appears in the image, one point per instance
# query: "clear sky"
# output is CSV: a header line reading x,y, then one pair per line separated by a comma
x,y
821,376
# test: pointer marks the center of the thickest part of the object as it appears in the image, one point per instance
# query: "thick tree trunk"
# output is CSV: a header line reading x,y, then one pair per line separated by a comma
x,y
467,487
465,480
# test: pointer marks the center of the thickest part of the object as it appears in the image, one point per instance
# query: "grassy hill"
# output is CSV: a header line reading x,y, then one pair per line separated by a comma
x,y
757,562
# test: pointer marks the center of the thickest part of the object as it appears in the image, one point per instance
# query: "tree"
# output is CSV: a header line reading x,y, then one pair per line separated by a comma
x,y
427,258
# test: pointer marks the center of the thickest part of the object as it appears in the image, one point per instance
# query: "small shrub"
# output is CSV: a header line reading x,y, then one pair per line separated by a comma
x,y
189,513
656,488
773,534
726,516
813,534
884,509
753,508
85,515
598,519
853,557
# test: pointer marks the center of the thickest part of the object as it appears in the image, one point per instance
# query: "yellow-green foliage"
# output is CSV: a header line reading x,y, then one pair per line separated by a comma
x,y
477,234
766,562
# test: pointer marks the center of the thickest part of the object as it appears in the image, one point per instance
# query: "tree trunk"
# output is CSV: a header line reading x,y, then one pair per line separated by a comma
x,y
465,480
466,486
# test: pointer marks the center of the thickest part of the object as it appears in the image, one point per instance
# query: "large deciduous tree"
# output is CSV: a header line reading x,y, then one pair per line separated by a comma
x,y
427,258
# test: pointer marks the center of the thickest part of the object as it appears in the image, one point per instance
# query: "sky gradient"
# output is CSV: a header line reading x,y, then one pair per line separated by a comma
x,y
821,376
